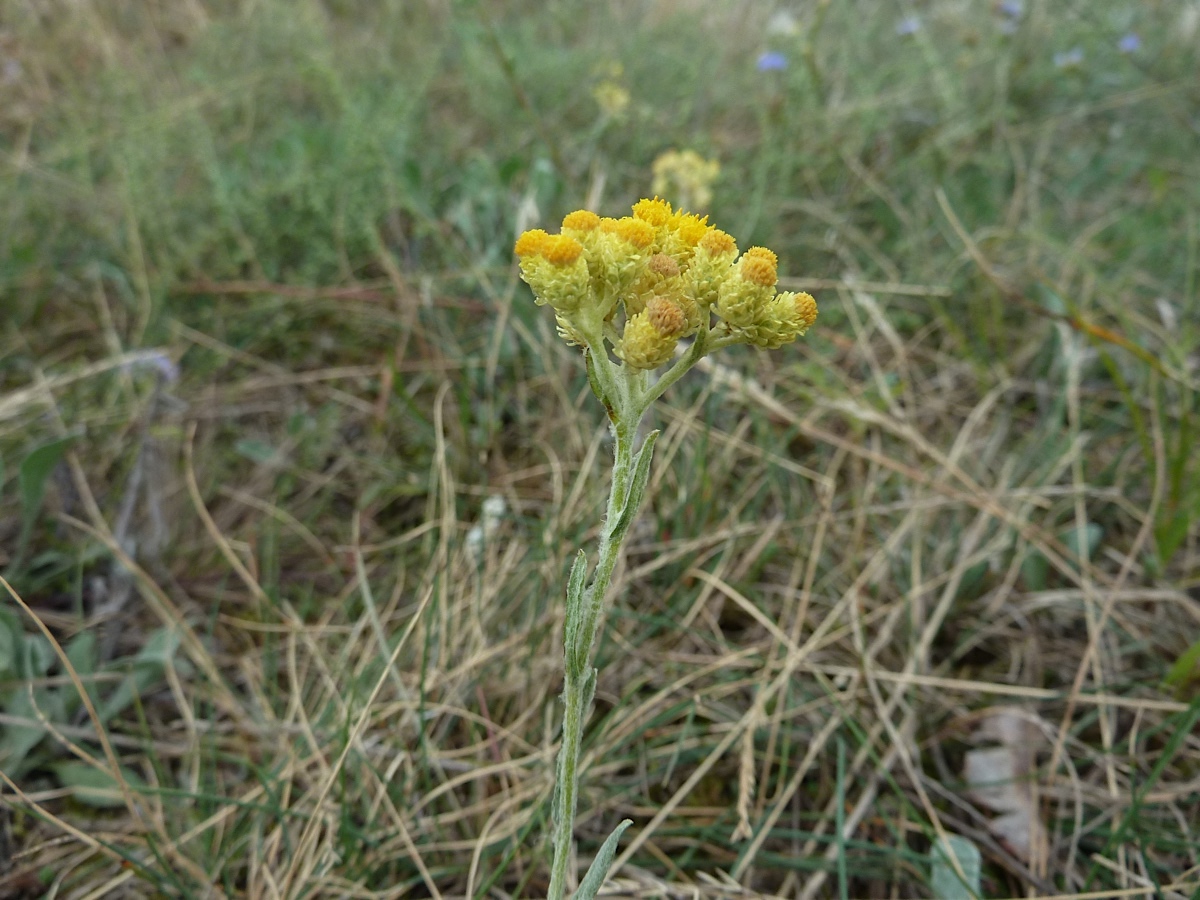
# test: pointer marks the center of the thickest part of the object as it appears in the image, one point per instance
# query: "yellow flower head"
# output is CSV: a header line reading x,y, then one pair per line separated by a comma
x,y
656,212
634,231
718,244
680,235
662,265
580,222
786,317
617,254
759,265
690,228
643,282
742,297
554,266
561,250
710,266
806,310
531,243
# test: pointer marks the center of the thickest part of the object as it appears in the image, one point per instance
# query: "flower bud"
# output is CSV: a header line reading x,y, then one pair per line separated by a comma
x,y
618,250
710,266
787,316
567,331
660,276
643,346
666,316
554,266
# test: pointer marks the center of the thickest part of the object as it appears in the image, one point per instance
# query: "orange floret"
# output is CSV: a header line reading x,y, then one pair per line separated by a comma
x,y
581,220
635,231
806,309
763,253
758,270
531,243
690,228
656,212
561,249
716,242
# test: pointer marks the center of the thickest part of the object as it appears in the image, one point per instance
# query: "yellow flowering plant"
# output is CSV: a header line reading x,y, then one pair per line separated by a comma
x,y
630,292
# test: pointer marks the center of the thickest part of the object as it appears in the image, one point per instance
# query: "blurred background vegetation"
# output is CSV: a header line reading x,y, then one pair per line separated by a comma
x,y
264,356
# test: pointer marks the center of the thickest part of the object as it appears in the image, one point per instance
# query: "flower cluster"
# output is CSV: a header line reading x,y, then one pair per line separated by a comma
x,y
642,283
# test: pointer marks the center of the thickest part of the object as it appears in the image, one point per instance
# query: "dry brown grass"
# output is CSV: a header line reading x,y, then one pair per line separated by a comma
x,y
854,560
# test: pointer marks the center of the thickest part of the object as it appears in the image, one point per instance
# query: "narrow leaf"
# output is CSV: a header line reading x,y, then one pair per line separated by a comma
x,y
575,601
12,644
96,787
1035,568
637,485
598,870
18,738
1185,668
593,380
32,474
35,469
39,656
81,652
146,671
589,691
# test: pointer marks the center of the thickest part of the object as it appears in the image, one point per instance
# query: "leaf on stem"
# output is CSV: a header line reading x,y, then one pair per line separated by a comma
x,y
575,602
594,382
598,870
637,486
589,691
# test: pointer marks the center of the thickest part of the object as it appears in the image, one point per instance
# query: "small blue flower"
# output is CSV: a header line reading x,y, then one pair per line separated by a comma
x,y
1069,59
1130,43
1012,9
908,25
771,61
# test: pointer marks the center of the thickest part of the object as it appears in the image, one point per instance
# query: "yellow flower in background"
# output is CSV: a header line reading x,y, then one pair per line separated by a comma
x,y
685,175
609,91
612,98
637,285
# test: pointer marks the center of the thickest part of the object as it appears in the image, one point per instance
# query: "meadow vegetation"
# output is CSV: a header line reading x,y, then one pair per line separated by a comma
x,y
292,469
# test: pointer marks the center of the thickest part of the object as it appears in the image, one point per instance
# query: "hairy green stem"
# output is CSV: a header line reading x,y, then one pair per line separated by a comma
x,y
566,785
700,346
582,622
